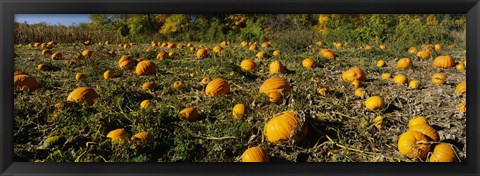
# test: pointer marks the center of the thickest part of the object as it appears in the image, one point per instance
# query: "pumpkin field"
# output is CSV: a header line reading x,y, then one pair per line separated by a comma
x,y
120,100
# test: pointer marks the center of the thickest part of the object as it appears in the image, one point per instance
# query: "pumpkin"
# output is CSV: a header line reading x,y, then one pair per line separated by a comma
x,y
308,63
83,95
205,80
423,54
400,79
329,55
86,53
46,52
261,54
444,62
460,67
52,141
118,135
386,76
276,67
413,144
462,107
426,130
25,82
216,87
322,91
171,45
162,55
163,44
443,152
265,45
404,63
277,53
202,53
42,67
108,74
217,49
146,68
80,76
419,120
248,65
353,74
378,122
255,154
252,48
244,43
275,84
414,84
461,88
143,138
412,50
380,63
360,92
56,56
374,103
368,47
171,54
319,43
37,44
189,114
177,84
439,78
238,111
145,103
383,46
283,126
148,86
315,79
437,47
127,64
275,96
189,45
124,58
337,44
356,84
322,51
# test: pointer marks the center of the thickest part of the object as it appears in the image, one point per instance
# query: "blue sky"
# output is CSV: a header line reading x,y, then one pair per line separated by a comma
x,y
53,19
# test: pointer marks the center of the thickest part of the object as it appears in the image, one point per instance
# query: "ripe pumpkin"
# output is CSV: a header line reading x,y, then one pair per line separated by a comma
x,y
386,76
145,104
319,43
275,84
374,103
255,154
337,44
460,67
414,84
252,47
461,88
86,53
216,87
423,54
439,78
444,62
189,114
283,126
400,79
127,64
162,55
205,80
276,67
83,95
42,67
189,45
368,47
360,92
277,53
383,46
443,152
80,76
426,130
146,68
404,63
275,96
329,55
238,111
217,49
353,74
413,144
56,56
437,47
148,86
462,107
265,45
177,84
261,55
356,84
171,45
380,63
118,135
308,63
248,65
202,53
108,74
46,52
143,138
322,91
419,120
412,50
25,82
244,43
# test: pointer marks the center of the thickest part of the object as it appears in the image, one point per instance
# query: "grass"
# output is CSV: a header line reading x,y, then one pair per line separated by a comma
x,y
334,119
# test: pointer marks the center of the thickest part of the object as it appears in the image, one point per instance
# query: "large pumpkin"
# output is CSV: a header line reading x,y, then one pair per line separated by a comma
x,y
276,67
374,103
461,88
443,153
248,65
419,120
439,78
255,154
353,74
189,114
282,126
216,87
404,63
146,68
443,62
413,144
275,84
426,130
25,82
83,95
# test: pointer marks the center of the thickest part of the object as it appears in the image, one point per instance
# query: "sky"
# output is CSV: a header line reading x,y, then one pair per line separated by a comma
x,y
53,19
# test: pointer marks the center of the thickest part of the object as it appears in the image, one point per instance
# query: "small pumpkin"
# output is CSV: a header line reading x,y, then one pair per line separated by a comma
x,y
329,55
146,68
56,56
460,67
217,87
439,78
42,67
127,64
205,80
426,130
83,95
265,45
46,52
248,65
148,86
145,104
404,63
87,53
360,92
368,47
217,49
319,43
414,84
79,56
276,67
322,91
378,122
177,84
308,63
400,79
337,44
277,53
202,53
419,120
244,43
283,127
383,46
413,144
275,96
374,103
461,88
238,110
171,45
80,76
189,114
423,54
462,107
443,152
143,138
386,76
162,55
444,62
356,84
261,55
412,50
25,82
381,63
253,47
353,74
118,135
255,154
275,84
108,74
437,47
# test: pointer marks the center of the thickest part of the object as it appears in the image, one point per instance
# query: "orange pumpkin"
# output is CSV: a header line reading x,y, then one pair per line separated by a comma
x,y
248,65
145,104
282,126
238,111
177,84
261,55
205,80
360,92
461,88
202,53
189,114
46,52
439,78
374,103
148,86
353,74
443,152
414,84
143,138
329,55
308,63
413,144
127,64
86,53
426,130
80,76
444,62
462,107
255,154
56,56
162,55
423,54
216,87
25,82
400,79
108,74
277,53
404,63
276,67
252,48
217,49
380,63
118,135
42,67
386,76
146,68
412,50
275,84
83,95
419,120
